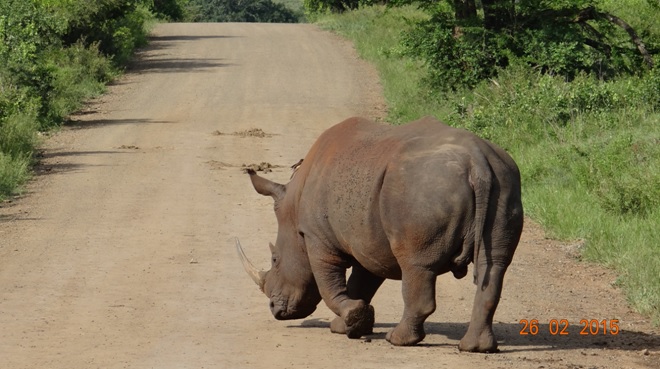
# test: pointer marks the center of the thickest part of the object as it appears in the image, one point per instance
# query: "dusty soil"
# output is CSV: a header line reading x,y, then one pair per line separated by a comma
x,y
120,254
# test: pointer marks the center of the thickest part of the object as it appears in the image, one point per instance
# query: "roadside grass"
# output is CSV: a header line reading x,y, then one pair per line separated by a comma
x,y
589,151
76,74
13,172
79,73
17,139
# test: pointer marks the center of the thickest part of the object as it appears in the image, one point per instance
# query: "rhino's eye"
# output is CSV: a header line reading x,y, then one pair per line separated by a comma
x,y
274,259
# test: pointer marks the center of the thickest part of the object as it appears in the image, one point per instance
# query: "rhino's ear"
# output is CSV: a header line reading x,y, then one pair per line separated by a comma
x,y
266,187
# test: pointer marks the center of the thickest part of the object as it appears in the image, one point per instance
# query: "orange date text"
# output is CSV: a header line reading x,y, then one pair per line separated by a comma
x,y
559,327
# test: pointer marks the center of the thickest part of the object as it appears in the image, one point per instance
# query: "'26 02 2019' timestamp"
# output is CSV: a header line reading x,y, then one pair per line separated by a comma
x,y
560,327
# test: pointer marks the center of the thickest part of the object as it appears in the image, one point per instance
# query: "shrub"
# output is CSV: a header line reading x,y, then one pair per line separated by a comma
x,y
559,38
54,54
265,11
79,73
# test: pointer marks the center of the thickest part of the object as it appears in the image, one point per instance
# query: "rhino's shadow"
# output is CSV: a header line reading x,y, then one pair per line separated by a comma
x,y
511,339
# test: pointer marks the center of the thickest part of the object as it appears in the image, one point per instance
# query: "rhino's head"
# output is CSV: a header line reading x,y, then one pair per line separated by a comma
x,y
289,284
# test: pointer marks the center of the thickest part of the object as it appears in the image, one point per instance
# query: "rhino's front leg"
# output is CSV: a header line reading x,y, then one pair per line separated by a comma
x,y
362,285
418,287
330,273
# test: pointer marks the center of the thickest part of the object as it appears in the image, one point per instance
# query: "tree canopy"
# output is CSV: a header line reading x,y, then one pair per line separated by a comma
x,y
265,11
465,41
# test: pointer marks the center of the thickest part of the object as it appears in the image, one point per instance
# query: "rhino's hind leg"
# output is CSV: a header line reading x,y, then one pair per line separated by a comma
x,y
479,336
418,286
494,258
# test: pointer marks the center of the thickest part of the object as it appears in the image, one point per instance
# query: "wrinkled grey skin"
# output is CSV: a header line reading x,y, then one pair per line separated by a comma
x,y
408,202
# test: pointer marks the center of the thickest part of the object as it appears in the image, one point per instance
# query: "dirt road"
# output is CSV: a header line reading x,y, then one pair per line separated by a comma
x,y
120,256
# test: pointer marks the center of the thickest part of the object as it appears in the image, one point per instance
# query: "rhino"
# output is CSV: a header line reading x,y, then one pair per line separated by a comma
x,y
407,202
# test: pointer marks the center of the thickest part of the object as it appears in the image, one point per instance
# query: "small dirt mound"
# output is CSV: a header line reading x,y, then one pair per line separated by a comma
x,y
263,167
219,165
252,132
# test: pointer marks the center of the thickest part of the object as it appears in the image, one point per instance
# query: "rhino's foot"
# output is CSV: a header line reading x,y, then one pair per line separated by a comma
x,y
337,325
484,343
358,321
405,335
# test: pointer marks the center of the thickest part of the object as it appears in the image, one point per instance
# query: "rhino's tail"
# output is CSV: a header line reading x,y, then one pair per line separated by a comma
x,y
481,181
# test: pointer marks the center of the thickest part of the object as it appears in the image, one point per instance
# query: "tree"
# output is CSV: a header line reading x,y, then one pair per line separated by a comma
x,y
173,10
464,46
243,11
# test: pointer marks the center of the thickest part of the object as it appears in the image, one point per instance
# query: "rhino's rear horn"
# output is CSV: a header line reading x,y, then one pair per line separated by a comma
x,y
258,276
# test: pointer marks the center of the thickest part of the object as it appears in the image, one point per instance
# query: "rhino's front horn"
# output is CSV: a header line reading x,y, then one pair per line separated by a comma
x,y
258,276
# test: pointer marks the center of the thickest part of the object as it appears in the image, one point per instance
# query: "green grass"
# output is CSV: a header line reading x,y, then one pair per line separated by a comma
x,y
17,140
589,151
13,173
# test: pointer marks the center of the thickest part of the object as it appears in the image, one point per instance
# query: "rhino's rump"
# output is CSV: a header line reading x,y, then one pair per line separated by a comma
x,y
381,194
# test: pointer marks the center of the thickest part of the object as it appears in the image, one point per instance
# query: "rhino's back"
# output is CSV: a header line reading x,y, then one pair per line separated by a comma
x,y
368,186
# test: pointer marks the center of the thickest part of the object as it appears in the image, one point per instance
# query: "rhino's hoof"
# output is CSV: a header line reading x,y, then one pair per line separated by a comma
x,y
360,321
485,343
337,325
404,335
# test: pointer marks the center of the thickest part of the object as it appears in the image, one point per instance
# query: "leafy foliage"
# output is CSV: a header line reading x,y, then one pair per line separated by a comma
x,y
318,6
171,10
265,11
453,61
54,54
116,26
556,37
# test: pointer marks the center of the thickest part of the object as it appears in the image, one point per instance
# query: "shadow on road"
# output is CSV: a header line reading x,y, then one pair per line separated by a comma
x,y
147,61
93,123
511,340
153,39
48,163
176,65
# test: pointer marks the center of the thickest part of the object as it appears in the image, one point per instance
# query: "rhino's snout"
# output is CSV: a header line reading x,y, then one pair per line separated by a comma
x,y
281,310
278,308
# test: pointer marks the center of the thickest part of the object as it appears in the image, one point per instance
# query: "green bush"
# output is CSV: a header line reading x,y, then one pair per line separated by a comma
x,y
558,38
53,55
116,26
18,135
452,61
170,10
26,30
79,73
265,11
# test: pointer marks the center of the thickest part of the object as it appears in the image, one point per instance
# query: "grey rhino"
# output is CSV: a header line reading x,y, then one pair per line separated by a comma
x,y
406,202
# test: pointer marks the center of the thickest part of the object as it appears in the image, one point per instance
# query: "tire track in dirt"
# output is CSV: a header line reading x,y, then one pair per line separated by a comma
x,y
119,254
